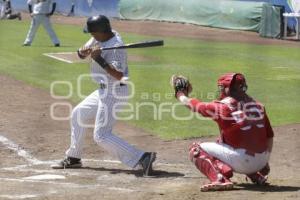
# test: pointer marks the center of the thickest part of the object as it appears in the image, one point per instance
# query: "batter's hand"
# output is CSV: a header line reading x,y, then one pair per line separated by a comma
x,y
95,52
96,56
84,52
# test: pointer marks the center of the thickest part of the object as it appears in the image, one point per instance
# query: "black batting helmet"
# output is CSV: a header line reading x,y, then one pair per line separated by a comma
x,y
98,23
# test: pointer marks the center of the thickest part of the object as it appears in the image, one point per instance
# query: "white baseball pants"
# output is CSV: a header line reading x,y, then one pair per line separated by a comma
x,y
2,11
36,21
100,105
236,158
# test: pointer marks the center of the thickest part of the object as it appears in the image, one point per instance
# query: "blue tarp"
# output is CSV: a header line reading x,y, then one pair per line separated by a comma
x,y
291,22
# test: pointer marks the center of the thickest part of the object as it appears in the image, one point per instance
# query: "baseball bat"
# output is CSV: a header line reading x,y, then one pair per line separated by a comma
x,y
152,43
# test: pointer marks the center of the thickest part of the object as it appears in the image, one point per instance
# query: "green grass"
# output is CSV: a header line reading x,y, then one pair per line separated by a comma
x,y
272,72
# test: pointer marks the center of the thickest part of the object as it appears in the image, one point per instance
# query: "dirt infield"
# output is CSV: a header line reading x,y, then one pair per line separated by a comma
x,y
30,141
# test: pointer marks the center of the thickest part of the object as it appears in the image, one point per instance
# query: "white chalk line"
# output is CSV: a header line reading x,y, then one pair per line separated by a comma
x,y
22,196
26,196
69,53
58,58
67,184
51,171
122,189
45,177
17,149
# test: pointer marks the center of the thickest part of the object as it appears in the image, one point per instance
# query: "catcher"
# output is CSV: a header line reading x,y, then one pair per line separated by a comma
x,y
246,136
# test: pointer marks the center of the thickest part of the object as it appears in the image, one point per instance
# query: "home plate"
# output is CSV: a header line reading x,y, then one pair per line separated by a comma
x,y
45,177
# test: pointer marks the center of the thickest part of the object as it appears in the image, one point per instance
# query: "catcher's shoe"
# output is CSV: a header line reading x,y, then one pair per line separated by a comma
x,y
68,162
258,178
146,162
217,186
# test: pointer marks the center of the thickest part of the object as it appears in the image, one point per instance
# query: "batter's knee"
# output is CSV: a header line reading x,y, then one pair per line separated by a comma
x,y
75,113
79,115
101,135
97,139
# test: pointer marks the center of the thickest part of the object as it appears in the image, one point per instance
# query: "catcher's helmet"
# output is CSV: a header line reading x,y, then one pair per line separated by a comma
x,y
98,23
227,81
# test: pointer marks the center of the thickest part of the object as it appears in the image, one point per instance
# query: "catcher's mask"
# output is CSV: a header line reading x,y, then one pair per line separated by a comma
x,y
98,23
232,84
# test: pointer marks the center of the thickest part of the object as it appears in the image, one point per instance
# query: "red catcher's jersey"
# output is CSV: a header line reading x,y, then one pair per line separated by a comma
x,y
242,124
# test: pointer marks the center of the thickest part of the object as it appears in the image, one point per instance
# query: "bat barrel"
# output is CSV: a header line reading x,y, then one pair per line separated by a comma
x,y
144,44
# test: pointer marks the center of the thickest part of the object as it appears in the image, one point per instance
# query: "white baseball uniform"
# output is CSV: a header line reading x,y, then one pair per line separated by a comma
x,y
40,9
238,159
100,105
2,10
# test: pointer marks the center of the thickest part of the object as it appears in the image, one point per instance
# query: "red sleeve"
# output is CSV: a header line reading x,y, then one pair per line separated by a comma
x,y
205,109
268,126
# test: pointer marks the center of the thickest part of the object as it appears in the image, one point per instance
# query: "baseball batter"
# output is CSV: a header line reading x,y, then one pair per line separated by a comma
x,y
40,11
107,69
246,138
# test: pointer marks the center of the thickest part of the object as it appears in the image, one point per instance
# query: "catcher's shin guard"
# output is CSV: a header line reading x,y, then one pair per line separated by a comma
x,y
224,169
266,170
216,171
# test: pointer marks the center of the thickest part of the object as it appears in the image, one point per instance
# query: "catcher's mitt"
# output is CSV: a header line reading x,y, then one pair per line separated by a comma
x,y
181,84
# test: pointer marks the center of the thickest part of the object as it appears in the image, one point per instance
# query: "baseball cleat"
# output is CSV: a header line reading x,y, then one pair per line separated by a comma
x,y
217,186
146,162
258,178
26,45
68,162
